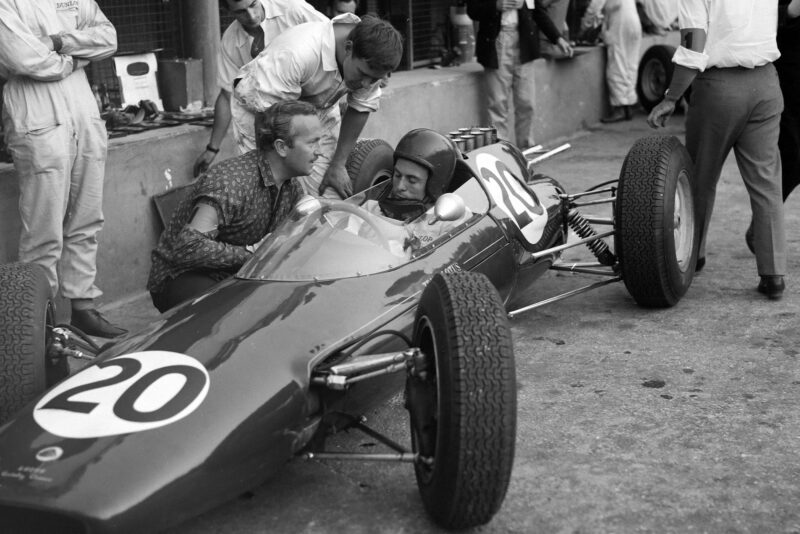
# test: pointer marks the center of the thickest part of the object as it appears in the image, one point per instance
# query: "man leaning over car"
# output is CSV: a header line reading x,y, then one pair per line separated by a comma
x,y
235,205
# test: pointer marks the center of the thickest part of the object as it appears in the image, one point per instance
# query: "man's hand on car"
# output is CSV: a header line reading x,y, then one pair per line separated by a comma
x,y
336,177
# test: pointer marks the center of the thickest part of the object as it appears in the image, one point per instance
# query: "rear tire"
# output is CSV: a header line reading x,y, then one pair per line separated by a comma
x,y
657,236
370,162
27,315
464,408
655,73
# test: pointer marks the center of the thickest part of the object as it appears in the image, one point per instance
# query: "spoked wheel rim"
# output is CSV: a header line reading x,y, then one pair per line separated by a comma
x,y
683,222
424,439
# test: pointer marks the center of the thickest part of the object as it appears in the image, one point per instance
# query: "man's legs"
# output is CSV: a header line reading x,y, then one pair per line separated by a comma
x,y
711,122
524,91
84,214
41,159
759,162
499,80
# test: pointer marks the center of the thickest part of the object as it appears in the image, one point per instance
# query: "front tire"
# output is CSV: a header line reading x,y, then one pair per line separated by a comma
x,y
26,317
657,236
463,407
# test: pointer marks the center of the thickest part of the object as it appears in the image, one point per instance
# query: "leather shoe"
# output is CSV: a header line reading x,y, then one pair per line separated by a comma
x,y
772,286
90,322
699,264
618,114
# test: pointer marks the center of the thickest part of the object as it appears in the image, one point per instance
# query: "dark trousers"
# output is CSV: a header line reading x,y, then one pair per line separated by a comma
x,y
740,109
184,287
789,140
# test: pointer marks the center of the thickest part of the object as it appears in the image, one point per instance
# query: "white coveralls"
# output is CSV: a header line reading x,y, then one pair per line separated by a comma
x,y
622,35
55,134
300,64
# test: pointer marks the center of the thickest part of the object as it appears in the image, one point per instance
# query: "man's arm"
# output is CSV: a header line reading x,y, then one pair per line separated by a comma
x,y
23,53
222,119
94,39
693,42
336,175
196,247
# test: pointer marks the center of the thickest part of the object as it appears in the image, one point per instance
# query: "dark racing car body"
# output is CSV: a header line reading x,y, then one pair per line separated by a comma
x,y
321,323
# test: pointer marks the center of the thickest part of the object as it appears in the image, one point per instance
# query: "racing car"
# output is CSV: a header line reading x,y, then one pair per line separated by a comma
x,y
319,326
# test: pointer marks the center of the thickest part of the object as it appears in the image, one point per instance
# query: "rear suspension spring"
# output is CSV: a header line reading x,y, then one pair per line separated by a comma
x,y
583,229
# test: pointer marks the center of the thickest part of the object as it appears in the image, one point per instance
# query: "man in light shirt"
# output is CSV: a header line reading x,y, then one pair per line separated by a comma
x,y
320,62
726,54
257,23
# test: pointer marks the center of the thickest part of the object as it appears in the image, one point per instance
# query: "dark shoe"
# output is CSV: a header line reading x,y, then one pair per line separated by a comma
x,y
618,114
698,266
750,239
772,286
92,323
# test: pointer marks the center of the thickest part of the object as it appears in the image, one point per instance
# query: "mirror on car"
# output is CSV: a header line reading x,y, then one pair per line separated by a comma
x,y
449,207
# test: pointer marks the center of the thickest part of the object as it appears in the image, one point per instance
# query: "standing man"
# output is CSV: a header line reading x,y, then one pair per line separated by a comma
x,y
234,206
319,62
58,141
257,23
508,42
726,54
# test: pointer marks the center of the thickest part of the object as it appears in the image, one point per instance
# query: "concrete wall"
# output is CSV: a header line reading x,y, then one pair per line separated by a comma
x,y
570,95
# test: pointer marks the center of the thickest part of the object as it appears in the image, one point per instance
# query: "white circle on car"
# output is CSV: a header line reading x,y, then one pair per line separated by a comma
x,y
124,394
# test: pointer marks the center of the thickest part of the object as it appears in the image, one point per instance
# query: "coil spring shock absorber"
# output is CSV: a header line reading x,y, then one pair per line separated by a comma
x,y
599,248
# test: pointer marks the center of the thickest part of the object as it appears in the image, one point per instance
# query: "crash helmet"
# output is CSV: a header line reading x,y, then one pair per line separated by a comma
x,y
435,152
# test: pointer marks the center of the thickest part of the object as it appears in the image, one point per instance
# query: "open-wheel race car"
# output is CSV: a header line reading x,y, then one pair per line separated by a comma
x,y
320,325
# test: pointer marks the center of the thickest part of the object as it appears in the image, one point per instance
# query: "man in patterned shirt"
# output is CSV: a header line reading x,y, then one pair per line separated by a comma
x,y
234,205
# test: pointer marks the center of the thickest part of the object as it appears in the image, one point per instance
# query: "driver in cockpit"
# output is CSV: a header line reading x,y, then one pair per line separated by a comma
x,y
424,161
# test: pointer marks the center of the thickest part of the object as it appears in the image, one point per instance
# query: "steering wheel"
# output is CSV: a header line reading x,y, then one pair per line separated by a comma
x,y
358,211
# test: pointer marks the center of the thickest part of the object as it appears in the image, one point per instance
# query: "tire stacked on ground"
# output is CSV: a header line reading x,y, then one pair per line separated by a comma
x,y
657,237
370,162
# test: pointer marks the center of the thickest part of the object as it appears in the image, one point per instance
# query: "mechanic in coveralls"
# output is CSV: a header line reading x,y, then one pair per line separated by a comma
x,y
319,62
622,34
424,161
257,23
58,141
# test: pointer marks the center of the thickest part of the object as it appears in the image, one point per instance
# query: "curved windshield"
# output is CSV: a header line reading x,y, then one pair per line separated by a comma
x,y
325,239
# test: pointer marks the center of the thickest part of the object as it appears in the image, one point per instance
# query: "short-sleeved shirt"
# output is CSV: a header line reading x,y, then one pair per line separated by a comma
x,y
249,205
739,33
280,15
299,64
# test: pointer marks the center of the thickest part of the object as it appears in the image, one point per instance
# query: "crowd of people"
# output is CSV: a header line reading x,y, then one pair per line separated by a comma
x,y
283,69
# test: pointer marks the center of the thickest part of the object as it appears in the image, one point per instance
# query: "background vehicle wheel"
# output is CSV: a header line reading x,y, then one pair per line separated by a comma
x,y
657,236
655,73
26,317
464,408
370,162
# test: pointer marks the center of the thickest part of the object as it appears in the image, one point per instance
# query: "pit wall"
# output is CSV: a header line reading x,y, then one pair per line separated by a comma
x,y
570,95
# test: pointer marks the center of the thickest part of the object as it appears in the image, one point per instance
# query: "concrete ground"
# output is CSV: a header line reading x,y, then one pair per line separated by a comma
x,y
629,419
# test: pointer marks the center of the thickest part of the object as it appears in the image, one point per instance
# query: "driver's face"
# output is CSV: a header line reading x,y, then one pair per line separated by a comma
x,y
409,180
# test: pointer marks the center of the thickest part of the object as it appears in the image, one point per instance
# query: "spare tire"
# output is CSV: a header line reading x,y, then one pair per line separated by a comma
x,y
657,236
655,74
370,162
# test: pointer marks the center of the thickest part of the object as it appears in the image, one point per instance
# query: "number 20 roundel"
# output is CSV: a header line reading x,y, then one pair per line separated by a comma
x,y
125,394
